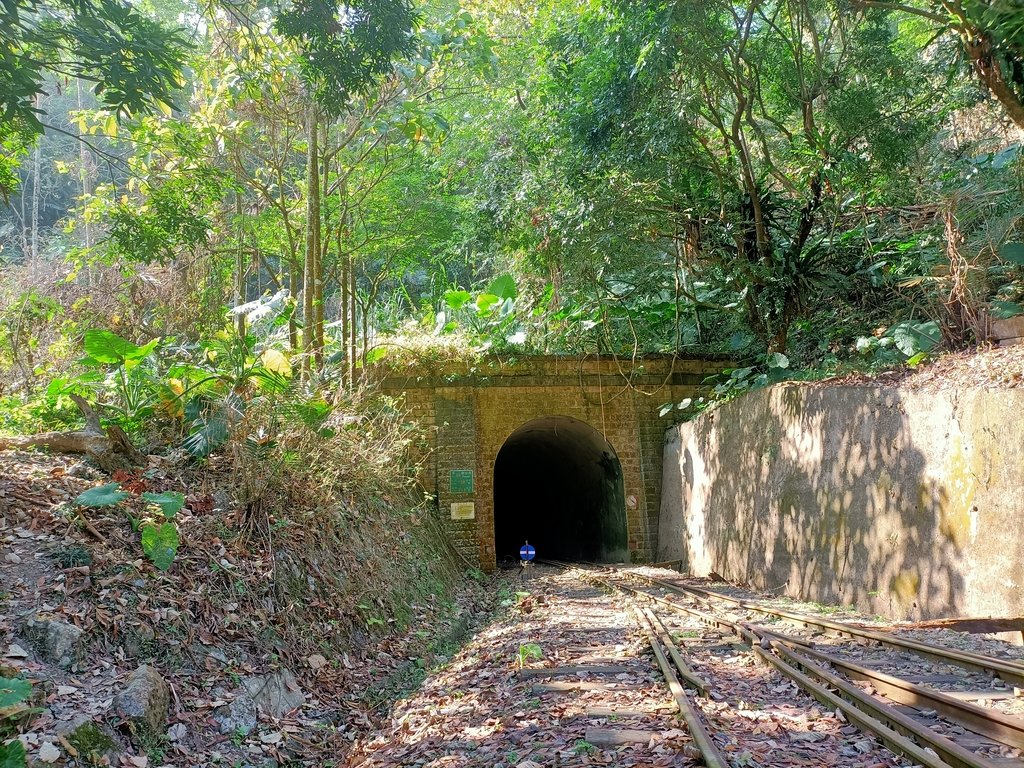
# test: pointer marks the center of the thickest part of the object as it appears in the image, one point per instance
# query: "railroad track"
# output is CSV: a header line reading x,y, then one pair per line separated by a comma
x,y
935,706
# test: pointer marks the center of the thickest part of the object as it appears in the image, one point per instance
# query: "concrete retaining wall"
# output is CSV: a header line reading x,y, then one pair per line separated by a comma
x,y
905,503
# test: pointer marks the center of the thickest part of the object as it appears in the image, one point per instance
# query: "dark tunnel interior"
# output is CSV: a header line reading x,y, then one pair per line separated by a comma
x,y
558,485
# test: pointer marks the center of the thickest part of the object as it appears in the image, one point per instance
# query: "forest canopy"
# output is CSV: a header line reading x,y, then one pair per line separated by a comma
x,y
800,185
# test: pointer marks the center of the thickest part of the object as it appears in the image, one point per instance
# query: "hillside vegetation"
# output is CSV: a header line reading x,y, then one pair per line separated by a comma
x,y
220,219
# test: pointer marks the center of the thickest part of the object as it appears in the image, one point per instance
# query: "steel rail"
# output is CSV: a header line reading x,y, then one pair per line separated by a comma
x,y
682,667
951,752
1000,727
712,756
657,637
1008,671
889,725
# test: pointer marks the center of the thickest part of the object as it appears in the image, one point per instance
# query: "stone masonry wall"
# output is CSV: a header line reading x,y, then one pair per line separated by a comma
x,y
470,413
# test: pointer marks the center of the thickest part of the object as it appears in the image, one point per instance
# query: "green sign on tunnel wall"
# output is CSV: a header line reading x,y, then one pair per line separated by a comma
x,y
460,481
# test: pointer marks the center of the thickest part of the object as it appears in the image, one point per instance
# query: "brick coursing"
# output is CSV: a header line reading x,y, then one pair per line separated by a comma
x,y
469,413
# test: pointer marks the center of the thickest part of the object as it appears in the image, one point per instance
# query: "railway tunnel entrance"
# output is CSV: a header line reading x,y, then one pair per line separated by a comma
x,y
558,484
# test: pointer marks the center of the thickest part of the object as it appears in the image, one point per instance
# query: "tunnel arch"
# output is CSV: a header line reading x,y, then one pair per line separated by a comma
x,y
558,483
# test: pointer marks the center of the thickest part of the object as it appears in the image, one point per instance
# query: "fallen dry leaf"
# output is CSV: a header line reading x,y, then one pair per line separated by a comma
x,y
49,753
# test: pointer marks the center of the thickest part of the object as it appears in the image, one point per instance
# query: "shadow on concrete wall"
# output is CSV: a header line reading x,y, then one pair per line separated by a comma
x,y
558,484
822,494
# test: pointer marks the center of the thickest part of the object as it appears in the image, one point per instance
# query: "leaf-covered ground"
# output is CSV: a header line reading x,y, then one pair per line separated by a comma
x,y
485,708
209,623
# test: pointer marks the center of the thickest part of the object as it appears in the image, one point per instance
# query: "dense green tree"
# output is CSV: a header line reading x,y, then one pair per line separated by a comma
x,y
990,35
133,62
708,155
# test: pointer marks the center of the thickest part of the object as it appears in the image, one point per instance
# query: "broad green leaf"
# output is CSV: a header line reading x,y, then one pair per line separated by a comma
x,y
14,690
160,544
12,755
312,413
207,434
106,347
1013,253
457,299
928,335
1007,156
145,349
56,387
906,342
912,338
503,286
101,496
778,360
485,303
170,502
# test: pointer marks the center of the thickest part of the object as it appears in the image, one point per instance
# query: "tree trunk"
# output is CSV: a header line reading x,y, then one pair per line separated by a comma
x,y
318,278
343,279
294,275
110,449
989,71
239,268
311,277
36,164
85,172
352,320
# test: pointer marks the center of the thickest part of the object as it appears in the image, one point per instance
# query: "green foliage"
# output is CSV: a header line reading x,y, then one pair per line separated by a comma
x,y
491,317
16,138
104,347
176,218
733,382
87,40
607,177
101,496
160,540
119,373
583,747
343,55
160,544
170,502
221,385
1013,253
13,690
528,652
12,755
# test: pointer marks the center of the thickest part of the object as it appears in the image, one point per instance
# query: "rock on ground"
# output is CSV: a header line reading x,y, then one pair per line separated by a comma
x,y
53,640
145,701
239,716
274,695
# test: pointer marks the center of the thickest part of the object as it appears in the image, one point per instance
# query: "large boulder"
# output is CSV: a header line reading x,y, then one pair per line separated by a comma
x,y
144,702
53,639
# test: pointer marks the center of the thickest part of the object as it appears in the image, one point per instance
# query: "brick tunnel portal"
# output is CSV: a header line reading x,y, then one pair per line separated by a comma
x,y
558,484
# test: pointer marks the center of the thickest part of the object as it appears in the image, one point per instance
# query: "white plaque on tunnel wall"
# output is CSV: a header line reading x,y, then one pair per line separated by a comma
x,y
463,510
